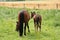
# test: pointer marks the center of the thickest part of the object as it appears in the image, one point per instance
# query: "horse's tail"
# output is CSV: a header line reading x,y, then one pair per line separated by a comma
x,y
21,23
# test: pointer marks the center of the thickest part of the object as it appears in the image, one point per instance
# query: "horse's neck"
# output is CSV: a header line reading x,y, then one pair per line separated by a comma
x,y
34,16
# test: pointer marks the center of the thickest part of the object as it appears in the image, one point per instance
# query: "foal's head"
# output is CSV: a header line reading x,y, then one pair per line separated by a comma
x,y
32,14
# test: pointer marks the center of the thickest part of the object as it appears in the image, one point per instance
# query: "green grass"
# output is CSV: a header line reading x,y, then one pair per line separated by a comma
x,y
50,25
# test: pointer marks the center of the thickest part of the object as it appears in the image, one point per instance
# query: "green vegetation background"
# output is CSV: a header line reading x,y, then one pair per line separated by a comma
x,y
50,25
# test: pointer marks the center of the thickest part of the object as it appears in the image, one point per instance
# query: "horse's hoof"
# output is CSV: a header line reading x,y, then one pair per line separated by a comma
x,y
20,35
25,34
16,30
29,31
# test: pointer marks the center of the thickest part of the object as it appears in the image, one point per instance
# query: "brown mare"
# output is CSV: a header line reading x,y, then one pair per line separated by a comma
x,y
37,20
23,18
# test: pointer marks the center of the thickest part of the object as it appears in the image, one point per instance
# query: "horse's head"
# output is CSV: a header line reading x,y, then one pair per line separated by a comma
x,y
17,26
32,14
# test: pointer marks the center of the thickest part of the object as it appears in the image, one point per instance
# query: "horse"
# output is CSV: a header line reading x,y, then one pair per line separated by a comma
x,y
23,18
37,20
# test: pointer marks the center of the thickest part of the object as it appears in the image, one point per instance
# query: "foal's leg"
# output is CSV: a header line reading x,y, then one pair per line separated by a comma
x,y
40,26
28,27
35,27
25,29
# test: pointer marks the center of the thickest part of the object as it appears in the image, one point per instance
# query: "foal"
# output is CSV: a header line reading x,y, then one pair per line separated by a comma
x,y
37,20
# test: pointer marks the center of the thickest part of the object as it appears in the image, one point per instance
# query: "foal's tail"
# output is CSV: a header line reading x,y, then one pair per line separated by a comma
x,y
21,23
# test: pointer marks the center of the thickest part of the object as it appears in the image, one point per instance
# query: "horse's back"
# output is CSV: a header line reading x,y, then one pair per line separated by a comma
x,y
20,16
37,18
25,14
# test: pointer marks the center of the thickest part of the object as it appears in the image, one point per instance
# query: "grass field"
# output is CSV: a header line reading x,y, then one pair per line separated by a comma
x,y
50,25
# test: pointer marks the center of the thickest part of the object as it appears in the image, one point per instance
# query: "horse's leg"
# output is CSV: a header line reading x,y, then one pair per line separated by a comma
x,y
35,27
28,27
40,25
25,29
21,29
